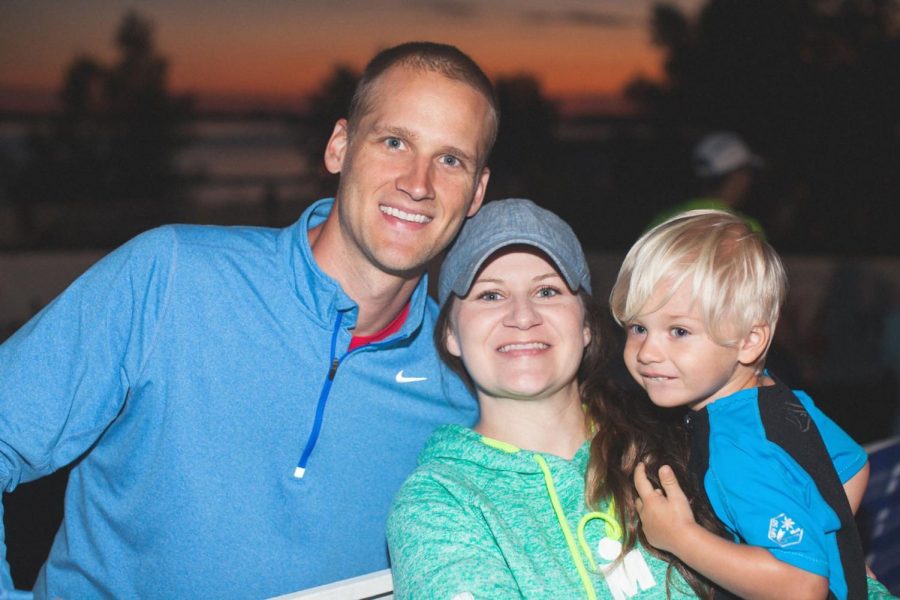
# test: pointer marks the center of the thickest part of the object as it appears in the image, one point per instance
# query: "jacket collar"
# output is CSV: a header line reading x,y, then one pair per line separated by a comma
x,y
320,294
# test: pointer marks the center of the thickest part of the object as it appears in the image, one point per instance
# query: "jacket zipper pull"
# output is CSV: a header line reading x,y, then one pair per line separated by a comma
x,y
334,366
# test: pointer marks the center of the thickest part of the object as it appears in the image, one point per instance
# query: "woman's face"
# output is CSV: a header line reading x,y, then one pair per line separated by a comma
x,y
520,332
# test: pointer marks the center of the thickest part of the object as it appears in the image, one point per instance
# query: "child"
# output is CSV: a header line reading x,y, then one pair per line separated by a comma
x,y
700,296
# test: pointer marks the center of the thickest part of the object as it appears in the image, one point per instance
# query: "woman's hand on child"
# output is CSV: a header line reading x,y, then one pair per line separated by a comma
x,y
665,513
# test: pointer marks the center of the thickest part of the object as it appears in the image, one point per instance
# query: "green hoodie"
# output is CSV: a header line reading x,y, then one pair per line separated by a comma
x,y
481,519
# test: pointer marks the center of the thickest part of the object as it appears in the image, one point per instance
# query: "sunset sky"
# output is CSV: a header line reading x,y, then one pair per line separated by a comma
x,y
281,49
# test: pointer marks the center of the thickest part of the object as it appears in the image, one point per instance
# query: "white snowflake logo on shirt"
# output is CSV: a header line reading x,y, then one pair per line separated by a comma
x,y
784,531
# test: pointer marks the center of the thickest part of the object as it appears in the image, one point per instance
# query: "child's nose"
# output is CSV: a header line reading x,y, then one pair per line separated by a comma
x,y
648,351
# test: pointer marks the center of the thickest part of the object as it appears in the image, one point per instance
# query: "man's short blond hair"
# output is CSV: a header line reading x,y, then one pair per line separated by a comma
x,y
736,279
444,59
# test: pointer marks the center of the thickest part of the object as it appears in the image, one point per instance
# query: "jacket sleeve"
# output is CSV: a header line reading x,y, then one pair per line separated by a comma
x,y
763,496
441,549
65,375
848,456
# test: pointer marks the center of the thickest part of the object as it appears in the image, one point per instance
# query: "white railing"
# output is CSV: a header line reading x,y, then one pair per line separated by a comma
x,y
365,587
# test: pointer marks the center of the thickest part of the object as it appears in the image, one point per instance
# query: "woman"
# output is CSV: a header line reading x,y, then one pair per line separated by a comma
x,y
499,511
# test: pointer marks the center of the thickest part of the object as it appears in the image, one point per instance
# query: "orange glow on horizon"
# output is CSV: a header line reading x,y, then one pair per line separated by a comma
x,y
285,51
287,75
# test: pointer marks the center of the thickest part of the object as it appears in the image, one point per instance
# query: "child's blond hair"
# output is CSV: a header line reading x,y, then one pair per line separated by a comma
x,y
736,279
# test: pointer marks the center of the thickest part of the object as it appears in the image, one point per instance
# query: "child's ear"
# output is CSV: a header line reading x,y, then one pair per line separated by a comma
x,y
755,344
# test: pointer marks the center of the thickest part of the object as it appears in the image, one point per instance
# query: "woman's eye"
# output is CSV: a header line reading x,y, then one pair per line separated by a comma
x,y
489,296
548,292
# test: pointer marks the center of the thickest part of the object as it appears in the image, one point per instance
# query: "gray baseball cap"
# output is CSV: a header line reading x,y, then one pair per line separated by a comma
x,y
722,152
503,223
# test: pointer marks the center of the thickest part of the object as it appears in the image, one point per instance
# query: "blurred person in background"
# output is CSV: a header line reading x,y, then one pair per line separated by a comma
x,y
725,168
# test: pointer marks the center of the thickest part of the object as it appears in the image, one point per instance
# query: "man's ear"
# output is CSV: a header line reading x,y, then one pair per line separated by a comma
x,y
480,187
754,345
336,147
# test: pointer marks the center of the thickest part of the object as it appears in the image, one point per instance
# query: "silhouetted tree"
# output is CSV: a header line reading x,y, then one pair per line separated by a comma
x,y
325,106
813,86
145,120
115,137
523,162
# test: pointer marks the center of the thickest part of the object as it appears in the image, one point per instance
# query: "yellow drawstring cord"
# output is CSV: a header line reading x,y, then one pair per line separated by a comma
x,y
564,525
502,446
613,529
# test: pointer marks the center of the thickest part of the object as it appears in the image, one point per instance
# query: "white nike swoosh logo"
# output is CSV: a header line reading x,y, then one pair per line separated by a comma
x,y
401,378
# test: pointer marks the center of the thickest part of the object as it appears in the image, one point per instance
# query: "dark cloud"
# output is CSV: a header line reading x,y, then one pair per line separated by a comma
x,y
587,18
459,9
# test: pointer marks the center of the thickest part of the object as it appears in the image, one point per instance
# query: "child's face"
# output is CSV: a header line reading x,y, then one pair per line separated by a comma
x,y
671,355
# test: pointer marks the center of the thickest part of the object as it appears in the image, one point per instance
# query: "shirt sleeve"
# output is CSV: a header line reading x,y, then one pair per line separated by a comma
x,y
441,549
848,456
65,374
762,496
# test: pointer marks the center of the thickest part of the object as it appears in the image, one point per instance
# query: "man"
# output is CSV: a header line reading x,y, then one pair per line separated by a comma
x,y
242,403
725,168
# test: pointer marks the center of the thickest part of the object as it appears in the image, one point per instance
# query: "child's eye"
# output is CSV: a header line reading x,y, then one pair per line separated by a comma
x,y
548,292
636,329
680,332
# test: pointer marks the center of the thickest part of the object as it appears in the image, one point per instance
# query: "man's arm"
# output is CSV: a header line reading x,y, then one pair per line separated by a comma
x,y
748,571
65,374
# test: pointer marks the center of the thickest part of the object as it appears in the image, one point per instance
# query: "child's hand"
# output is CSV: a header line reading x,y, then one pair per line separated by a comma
x,y
663,516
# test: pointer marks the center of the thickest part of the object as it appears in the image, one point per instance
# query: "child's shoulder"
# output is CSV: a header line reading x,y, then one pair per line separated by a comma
x,y
736,416
750,410
741,426
758,428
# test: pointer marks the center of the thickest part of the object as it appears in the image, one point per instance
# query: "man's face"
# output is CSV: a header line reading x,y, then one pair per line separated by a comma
x,y
410,173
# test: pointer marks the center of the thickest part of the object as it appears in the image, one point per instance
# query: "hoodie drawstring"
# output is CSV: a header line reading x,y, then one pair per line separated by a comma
x,y
564,525
613,529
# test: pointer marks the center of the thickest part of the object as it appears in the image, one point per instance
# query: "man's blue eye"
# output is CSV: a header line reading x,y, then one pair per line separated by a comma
x,y
393,142
450,160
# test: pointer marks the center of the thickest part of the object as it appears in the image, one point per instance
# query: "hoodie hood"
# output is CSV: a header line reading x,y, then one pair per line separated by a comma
x,y
454,444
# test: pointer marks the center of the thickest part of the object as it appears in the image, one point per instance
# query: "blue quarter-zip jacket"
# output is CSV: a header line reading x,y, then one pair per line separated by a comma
x,y
194,375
